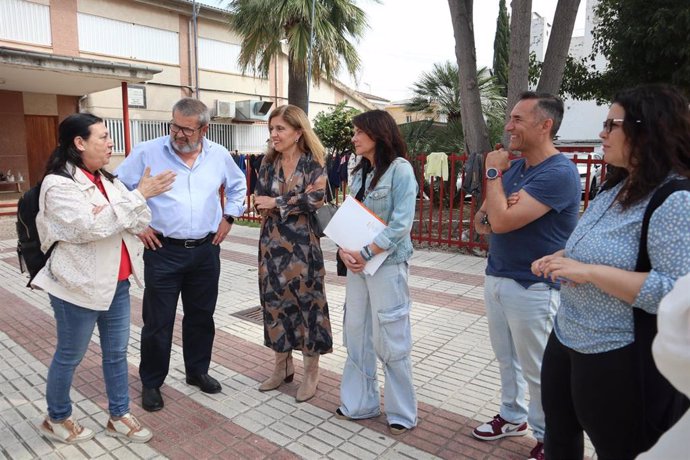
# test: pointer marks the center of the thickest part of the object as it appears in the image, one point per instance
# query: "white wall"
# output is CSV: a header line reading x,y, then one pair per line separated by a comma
x,y
582,119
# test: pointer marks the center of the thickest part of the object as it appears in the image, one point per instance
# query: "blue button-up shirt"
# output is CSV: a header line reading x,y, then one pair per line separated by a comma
x,y
592,321
191,209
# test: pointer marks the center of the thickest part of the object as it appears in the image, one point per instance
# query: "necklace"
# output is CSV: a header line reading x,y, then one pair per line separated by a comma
x,y
286,184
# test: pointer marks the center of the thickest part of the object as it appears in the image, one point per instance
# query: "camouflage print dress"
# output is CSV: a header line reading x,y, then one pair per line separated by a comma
x,y
291,270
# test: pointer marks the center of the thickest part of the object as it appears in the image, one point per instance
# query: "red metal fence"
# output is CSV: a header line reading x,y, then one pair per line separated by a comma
x,y
444,214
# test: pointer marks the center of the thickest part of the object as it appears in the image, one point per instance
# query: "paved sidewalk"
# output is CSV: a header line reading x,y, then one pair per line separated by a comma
x,y
455,376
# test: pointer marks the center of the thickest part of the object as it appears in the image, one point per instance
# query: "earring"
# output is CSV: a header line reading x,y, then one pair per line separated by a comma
x,y
297,140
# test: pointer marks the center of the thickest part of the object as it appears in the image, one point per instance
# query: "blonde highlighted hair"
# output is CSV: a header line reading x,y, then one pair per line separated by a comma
x,y
308,141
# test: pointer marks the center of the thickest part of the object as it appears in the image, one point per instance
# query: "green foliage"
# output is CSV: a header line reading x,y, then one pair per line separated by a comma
x,y
438,92
574,77
502,48
429,136
644,42
263,24
334,128
534,70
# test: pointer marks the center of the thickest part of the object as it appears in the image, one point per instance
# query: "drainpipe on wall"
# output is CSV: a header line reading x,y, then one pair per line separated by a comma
x,y
195,8
125,118
190,31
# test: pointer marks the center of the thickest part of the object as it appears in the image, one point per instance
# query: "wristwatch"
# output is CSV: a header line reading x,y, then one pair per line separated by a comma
x,y
493,173
229,218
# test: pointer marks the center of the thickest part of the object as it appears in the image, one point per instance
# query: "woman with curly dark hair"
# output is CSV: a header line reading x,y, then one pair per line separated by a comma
x,y
591,380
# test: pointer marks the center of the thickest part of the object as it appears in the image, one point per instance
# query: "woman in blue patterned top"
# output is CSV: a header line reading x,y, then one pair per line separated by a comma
x,y
589,380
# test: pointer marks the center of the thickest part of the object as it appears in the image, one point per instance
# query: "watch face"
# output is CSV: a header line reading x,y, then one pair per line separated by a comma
x,y
491,173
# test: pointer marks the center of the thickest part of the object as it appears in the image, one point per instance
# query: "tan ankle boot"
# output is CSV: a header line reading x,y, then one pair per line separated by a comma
x,y
307,389
283,371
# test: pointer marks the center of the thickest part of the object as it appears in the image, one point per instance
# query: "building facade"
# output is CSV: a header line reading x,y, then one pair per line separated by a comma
x,y
135,56
582,119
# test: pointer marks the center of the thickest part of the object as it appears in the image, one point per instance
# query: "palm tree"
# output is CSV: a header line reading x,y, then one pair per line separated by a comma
x,y
438,92
264,24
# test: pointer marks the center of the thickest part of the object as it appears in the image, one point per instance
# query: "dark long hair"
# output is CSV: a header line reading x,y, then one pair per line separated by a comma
x,y
75,125
380,126
657,129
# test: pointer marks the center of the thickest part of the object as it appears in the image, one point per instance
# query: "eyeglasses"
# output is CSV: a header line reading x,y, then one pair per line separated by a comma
x,y
186,131
610,123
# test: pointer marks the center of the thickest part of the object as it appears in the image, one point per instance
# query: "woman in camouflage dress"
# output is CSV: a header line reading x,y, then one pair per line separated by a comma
x,y
290,187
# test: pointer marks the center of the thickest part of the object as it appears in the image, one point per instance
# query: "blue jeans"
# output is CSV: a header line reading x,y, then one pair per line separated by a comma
x,y
520,321
377,324
74,329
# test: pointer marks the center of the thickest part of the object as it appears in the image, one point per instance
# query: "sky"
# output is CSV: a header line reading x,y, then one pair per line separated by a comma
x,y
406,37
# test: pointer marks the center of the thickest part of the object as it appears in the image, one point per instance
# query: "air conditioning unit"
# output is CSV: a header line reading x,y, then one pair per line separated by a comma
x,y
224,109
252,110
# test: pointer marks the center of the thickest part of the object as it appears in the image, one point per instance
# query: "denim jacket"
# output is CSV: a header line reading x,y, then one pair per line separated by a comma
x,y
393,200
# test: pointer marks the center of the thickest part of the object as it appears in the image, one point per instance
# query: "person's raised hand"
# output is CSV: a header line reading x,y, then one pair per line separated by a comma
x,y
150,186
499,158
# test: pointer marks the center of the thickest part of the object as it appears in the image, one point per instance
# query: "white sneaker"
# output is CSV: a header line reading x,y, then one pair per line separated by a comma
x,y
499,428
128,427
68,431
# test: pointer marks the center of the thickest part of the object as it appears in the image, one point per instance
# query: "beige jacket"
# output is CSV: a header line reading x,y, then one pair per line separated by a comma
x,y
84,265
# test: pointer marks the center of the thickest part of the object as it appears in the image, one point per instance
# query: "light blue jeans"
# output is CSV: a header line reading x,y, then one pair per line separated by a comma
x,y
74,329
377,324
520,321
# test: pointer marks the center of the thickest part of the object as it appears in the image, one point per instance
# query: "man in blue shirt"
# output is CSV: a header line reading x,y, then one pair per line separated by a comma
x,y
182,255
544,190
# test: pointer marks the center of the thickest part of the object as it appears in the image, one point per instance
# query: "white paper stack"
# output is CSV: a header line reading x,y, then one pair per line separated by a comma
x,y
352,227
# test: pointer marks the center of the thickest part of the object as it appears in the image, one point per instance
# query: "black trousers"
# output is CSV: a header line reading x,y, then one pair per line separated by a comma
x,y
169,272
594,393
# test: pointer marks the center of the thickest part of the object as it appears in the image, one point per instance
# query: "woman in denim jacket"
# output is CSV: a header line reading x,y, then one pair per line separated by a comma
x,y
377,312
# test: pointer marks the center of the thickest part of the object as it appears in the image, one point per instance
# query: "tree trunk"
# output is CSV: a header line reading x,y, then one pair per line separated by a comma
x,y
473,123
518,67
297,87
559,44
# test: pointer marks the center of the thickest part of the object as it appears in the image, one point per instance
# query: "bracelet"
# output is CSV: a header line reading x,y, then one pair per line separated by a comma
x,y
229,218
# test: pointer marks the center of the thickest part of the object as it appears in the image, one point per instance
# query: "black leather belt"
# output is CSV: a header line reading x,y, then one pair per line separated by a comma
x,y
189,244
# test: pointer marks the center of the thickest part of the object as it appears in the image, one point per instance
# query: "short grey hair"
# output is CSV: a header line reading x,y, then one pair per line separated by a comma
x,y
188,106
550,106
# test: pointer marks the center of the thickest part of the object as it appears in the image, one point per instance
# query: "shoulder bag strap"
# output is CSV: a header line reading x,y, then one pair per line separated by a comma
x,y
660,195
661,404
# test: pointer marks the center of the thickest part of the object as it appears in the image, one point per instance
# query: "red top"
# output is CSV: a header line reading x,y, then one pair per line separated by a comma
x,y
125,263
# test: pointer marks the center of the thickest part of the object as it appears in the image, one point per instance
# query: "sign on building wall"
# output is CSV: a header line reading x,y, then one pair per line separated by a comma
x,y
136,96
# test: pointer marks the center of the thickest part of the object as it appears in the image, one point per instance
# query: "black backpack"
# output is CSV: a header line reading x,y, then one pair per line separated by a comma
x,y
31,258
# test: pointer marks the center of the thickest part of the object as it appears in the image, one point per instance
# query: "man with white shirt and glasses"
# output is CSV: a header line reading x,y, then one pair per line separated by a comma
x,y
182,255
531,207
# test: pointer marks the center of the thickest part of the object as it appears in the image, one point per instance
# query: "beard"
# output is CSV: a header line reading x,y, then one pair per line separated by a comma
x,y
189,147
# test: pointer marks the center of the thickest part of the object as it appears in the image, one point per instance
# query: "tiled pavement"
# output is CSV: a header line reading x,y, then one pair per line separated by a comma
x,y
455,376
